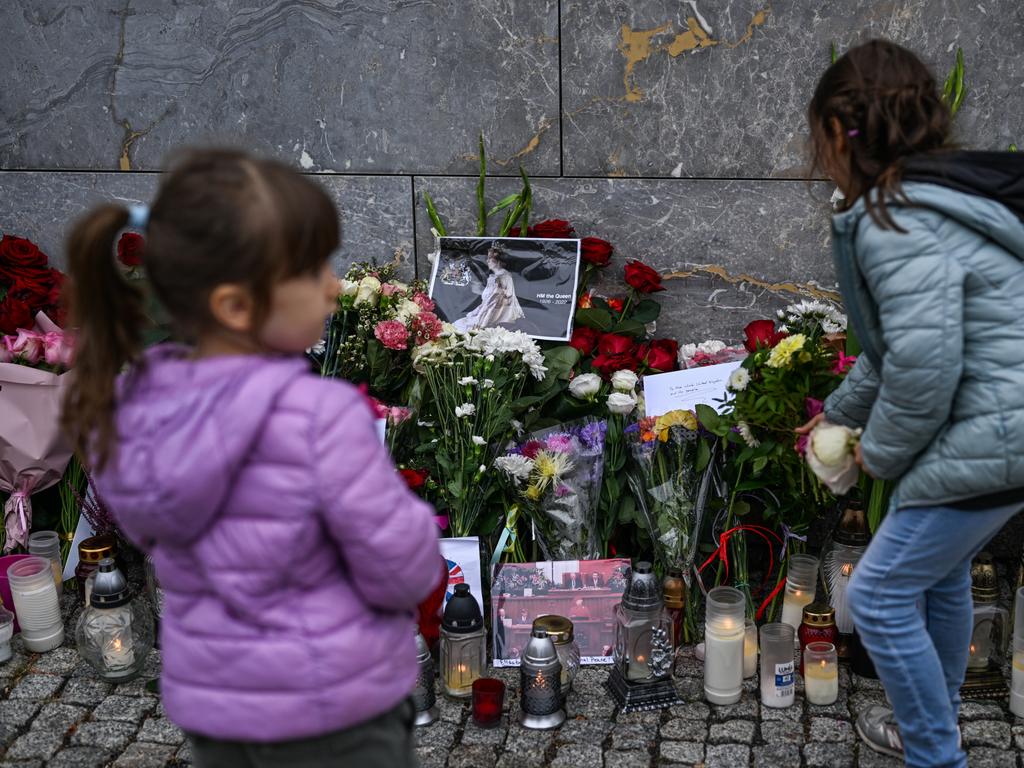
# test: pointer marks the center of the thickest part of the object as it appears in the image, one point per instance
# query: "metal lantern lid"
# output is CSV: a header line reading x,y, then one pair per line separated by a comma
x,y
984,584
109,589
422,649
819,615
539,652
643,592
462,614
852,530
97,548
674,589
558,628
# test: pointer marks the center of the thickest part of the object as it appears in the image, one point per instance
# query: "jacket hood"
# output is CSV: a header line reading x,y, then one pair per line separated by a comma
x,y
185,428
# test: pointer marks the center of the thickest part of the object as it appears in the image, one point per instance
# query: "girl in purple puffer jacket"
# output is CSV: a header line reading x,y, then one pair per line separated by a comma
x,y
291,553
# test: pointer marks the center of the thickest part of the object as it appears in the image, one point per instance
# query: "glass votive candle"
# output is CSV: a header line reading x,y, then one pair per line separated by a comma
x,y
801,585
724,633
749,649
488,701
47,544
821,673
778,682
6,632
36,603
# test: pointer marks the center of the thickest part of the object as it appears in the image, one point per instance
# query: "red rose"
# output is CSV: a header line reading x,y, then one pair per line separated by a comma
x,y
584,340
129,249
414,478
18,252
552,228
615,305
643,278
14,314
761,333
32,288
55,295
606,365
660,355
595,251
614,344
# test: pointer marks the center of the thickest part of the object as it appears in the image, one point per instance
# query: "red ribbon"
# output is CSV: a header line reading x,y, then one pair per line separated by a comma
x,y
722,554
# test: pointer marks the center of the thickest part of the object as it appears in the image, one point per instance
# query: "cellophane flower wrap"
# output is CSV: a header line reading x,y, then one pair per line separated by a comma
x,y
556,476
465,411
33,450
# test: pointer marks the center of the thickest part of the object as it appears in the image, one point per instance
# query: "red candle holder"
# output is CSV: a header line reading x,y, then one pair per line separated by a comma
x,y
488,701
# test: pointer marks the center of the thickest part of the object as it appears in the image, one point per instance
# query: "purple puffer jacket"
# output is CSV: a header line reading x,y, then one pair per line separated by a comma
x,y
290,551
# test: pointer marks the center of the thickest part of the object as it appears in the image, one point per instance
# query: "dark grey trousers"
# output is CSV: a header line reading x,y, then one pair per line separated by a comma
x,y
385,741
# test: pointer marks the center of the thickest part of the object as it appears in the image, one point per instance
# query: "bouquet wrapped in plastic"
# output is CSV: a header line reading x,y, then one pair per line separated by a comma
x,y
556,474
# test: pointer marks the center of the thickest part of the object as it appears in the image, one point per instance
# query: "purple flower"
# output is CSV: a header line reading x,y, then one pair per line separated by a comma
x,y
560,443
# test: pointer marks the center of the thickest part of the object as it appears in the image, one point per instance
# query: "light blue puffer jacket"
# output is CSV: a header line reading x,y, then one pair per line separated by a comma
x,y
939,311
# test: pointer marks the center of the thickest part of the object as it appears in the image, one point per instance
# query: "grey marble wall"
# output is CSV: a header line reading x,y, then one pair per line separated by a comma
x,y
672,128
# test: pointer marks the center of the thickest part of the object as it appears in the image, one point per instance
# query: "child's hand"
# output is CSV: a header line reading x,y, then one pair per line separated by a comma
x,y
806,428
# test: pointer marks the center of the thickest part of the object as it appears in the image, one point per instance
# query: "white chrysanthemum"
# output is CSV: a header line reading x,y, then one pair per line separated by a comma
x,y
711,346
466,381
814,312
739,379
747,435
466,409
477,440
318,348
487,384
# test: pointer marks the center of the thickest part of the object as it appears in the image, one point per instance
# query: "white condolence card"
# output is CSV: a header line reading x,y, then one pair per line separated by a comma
x,y
683,390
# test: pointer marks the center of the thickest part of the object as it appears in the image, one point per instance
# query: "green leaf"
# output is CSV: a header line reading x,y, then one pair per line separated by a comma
x,y
432,213
504,203
703,455
833,53
628,328
709,417
740,508
647,311
760,463
1013,148
560,361
593,318
627,509
524,223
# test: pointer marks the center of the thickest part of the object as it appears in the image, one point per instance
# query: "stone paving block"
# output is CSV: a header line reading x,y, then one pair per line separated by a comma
x,y
440,734
748,708
33,686
576,756
8,733
632,737
987,733
859,683
840,708
783,732
986,757
452,711
471,756
162,731
39,745
598,707
777,756
981,710
184,753
727,756
432,757
829,755
106,734
59,661
733,732
627,760
858,702
145,756
520,738
641,718
827,729
127,709
690,689
868,758
59,717
21,764
491,737
583,730
80,757
532,757
85,691
1018,737
776,714
679,729
17,713
686,752
694,710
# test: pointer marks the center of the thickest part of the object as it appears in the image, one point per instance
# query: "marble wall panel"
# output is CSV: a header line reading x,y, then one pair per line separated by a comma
x,y
381,86
375,210
699,88
731,251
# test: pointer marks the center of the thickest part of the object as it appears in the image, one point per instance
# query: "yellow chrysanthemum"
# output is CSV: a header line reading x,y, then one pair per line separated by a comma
x,y
533,493
782,354
678,418
549,466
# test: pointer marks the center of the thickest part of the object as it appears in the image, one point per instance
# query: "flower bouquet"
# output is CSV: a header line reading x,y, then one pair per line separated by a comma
x,y
711,352
556,476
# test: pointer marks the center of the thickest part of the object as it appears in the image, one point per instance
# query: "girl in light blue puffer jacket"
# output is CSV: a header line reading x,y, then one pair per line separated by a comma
x,y
928,249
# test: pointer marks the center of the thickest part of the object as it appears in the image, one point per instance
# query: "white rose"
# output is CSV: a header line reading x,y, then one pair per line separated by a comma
x,y
830,456
621,403
407,310
585,386
831,443
739,379
347,288
368,291
624,380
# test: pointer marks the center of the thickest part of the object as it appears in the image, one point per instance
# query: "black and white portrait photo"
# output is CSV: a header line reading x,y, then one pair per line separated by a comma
x,y
520,284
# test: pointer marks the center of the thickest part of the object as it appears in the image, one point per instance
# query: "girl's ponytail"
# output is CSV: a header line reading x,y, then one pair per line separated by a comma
x,y
106,312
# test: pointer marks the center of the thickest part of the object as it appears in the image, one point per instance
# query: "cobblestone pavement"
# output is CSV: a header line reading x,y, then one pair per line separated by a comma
x,y
55,712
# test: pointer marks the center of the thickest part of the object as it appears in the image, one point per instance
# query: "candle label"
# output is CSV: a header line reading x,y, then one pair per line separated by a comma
x,y
784,680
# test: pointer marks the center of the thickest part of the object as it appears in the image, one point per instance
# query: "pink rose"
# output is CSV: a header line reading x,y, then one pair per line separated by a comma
x,y
392,334
57,349
6,355
28,346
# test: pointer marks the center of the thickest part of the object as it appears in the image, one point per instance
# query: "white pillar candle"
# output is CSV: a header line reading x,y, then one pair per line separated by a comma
x,y
723,666
1017,685
821,682
793,607
750,650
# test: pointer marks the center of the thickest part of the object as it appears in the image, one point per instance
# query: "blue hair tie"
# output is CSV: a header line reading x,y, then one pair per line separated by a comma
x,y
138,216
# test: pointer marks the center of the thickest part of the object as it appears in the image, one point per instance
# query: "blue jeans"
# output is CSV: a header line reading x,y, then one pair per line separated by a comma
x,y
910,596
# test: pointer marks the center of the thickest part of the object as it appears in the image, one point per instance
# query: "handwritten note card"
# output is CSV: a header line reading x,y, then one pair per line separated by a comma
x,y
682,390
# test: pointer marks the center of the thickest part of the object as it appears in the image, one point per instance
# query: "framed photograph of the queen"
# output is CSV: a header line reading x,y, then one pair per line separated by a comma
x,y
584,591
516,283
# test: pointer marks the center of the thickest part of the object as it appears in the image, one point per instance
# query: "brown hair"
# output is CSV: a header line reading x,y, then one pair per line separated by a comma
x,y
886,103
219,217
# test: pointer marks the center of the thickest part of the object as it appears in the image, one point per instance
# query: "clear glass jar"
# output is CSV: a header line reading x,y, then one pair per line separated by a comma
x,y
1017,668
6,633
560,630
643,630
463,644
778,679
47,544
749,649
821,673
35,601
724,640
801,587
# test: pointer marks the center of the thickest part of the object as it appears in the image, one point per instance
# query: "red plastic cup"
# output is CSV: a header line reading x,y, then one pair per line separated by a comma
x,y
488,701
